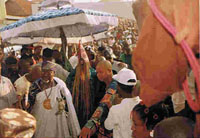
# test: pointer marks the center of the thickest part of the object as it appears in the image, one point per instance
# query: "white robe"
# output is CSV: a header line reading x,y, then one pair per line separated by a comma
x,y
50,125
119,119
8,95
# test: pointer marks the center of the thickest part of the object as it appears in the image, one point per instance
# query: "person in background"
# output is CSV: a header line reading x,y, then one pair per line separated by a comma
x,y
25,64
145,118
8,96
31,50
23,84
116,65
91,55
37,54
60,72
81,83
24,51
174,127
99,54
111,40
117,50
57,57
37,50
96,123
118,118
4,70
27,50
12,67
126,55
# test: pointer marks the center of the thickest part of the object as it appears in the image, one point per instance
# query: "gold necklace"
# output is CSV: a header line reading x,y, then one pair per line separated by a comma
x,y
47,101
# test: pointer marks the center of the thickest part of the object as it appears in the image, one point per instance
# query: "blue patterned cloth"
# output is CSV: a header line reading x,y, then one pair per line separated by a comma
x,y
53,14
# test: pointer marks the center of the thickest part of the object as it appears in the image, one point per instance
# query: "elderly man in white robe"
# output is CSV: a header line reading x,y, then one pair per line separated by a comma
x,y
50,102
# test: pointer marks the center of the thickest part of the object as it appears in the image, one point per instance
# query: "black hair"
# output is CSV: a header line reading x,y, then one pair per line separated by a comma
x,y
24,49
101,49
47,52
126,88
197,55
151,115
10,60
25,45
107,54
175,127
125,44
27,58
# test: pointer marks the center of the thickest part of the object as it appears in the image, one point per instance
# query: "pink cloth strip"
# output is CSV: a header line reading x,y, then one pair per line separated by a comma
x,y
189,54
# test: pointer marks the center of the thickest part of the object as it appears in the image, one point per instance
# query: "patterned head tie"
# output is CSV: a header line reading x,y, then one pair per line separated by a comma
x,y
16,123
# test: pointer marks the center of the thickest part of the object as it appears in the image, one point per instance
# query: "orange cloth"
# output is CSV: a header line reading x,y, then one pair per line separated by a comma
x,y
158,60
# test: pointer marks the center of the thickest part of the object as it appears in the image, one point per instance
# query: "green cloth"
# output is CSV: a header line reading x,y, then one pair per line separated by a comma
x,y
126,59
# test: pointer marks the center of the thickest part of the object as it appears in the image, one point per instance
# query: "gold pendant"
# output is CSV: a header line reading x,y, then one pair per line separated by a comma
x,y
47,104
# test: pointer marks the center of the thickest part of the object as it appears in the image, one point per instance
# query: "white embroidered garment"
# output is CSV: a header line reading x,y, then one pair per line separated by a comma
x,y
48,123
22,85
119,119
60,72
7,93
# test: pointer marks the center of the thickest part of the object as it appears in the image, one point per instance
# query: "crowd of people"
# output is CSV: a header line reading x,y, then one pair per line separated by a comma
x,y
96,96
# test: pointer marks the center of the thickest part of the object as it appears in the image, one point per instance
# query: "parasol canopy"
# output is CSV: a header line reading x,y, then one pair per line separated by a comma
x,y
74,22
70,40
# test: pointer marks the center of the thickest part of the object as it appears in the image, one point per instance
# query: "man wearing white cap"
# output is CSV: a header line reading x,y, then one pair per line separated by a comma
x,y
50,102
118,118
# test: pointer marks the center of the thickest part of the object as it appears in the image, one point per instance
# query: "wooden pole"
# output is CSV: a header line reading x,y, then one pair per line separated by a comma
x,y
64,50
64,44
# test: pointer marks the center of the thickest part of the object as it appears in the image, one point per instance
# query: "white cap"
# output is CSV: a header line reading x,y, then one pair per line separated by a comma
x,y
126,76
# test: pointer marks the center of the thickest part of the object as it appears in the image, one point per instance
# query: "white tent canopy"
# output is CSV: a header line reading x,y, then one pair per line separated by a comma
x,y
28,40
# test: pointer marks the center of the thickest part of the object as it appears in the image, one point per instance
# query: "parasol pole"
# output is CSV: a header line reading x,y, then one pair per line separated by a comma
x,y
64,50
63,44
2,44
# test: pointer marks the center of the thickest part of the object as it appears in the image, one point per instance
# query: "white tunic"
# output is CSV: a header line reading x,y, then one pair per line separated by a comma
x,y
22,85
119,119
49,124
7,93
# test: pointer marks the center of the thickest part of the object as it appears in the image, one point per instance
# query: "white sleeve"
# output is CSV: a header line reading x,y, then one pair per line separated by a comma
x,y
61,73
110,120
12,96
72,113
22,86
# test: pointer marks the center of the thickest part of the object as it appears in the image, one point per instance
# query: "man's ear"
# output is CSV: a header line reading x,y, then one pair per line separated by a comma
x,y
109,71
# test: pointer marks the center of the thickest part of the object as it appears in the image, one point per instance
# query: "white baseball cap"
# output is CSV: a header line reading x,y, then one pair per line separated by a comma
x,y
126,76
